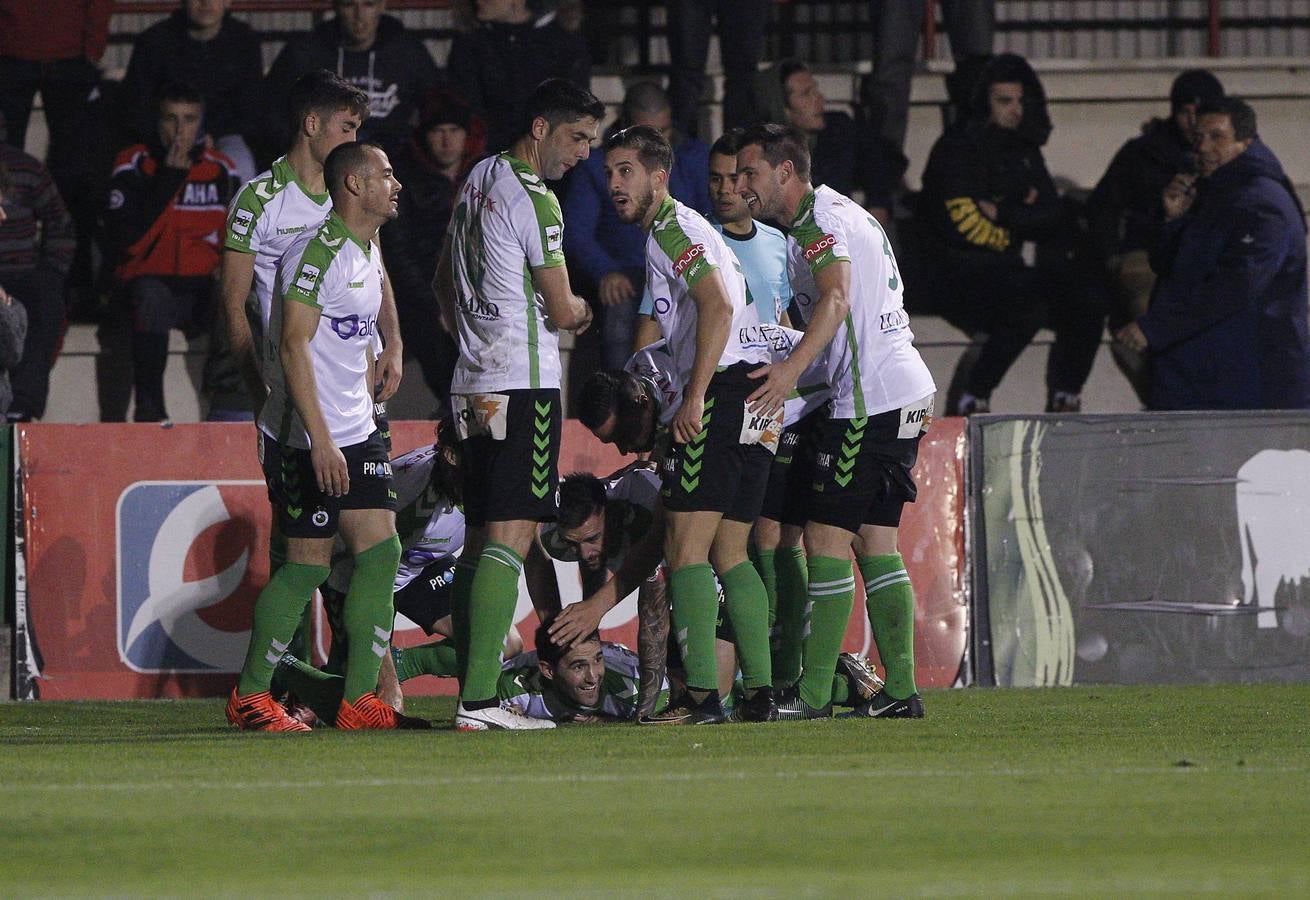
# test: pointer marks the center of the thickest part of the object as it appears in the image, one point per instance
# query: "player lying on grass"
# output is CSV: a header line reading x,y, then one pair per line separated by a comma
x,y
591,681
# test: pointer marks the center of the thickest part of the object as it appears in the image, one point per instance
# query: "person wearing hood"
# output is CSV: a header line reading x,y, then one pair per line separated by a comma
x,y
432,165
987,195
163,222
1227,323
1125,213
368,50
203,45
513,47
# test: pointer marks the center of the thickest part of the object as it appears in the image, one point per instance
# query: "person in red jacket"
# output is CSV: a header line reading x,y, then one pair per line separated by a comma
x,y
164,219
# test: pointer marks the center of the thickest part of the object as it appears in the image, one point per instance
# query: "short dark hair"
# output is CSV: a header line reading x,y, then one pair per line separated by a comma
x,y
644,97
599,397
180,92
346,159
580,495
1238,111
729,143
319,91
445,475
558,100
779,143
653,149
550,652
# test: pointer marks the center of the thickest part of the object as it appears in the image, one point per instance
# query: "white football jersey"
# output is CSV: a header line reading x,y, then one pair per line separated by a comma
x,y
872,364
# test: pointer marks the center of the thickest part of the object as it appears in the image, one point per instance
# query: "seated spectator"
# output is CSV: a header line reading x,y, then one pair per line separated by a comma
x,y
431,166
840,156
368,50
13,320
200,44
611,254
514,46
37,240
1227,323
986,194
164,222
1125,212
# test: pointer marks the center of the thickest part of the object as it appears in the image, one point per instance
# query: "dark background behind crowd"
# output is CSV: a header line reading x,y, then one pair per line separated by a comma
x,y
990,244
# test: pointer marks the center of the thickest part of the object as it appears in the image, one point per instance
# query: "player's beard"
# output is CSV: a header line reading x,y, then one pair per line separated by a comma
x,y
642,206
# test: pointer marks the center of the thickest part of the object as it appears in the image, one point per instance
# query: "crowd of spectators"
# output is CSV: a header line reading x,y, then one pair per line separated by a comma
x,y
989,243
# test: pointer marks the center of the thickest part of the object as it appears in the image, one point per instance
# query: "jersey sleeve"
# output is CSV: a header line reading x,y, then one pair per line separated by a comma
x,y
305,280
539,223
822,240
688,259
245,217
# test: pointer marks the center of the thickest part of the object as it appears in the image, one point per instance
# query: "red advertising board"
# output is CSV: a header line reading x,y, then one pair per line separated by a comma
x,y
145,548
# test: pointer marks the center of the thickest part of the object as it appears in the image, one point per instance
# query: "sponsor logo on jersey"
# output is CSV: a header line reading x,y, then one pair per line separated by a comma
x,y
187,552
346,327
817,249
200,195
293,229
356,285
242,221
478,198
893,321
378,469
307,277
688,259
479,309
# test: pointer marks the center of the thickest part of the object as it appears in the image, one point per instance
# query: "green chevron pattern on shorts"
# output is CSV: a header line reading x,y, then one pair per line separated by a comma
x,y
293,488
850,449
541,474
693,454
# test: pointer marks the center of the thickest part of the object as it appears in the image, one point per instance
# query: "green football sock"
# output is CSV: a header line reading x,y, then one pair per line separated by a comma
x,y
320,690
792,585
841,690
748,611
334,607
829,600
461,597
763,560
277,557
496,588
889,598
368,616
277,612
436,658
695,600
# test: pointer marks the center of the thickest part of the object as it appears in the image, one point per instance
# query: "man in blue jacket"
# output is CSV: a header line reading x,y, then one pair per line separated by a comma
x,y
611,253
1227,324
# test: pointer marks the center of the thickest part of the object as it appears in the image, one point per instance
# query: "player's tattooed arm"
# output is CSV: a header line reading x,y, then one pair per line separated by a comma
x,y
652,643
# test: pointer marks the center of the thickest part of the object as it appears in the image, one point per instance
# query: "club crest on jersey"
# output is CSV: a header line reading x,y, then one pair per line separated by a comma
x,y
187,573
688,259
242,221
819,247
307,277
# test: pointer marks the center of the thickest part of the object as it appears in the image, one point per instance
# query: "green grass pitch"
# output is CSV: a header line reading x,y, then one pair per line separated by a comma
x,y
1197,791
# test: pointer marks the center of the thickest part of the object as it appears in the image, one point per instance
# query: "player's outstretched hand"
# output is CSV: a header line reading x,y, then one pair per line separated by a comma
x,y
768,398
687,423
576,621
330,470
389,366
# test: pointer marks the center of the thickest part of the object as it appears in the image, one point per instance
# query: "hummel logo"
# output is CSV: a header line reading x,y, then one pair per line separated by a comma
x,y
331,244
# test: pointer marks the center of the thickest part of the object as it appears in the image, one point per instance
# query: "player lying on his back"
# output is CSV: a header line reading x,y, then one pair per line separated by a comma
x,y
591,681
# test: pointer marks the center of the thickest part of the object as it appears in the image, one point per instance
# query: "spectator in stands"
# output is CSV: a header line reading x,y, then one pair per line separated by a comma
x,y
164,221
54,47
986,194
203,45
13,319
1125,211
740,25
368,50
839,156
609,252
1227,323
37,242
431,166
514,46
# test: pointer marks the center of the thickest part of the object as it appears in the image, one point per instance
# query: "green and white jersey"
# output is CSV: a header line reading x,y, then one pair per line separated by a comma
x,y
681,249
266,217
630,501
506,224
341,277
872,364
523,686
655,364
